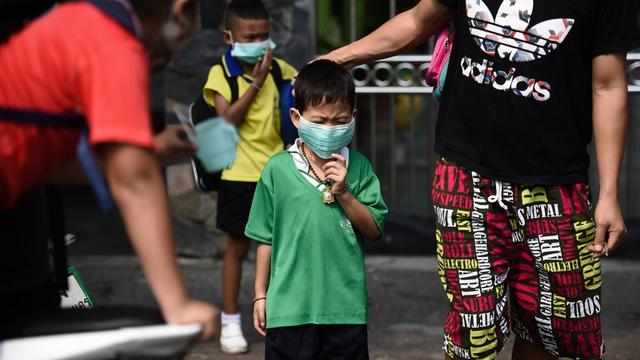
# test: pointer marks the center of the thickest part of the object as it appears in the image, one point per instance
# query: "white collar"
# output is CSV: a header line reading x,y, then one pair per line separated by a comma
x,y
302,164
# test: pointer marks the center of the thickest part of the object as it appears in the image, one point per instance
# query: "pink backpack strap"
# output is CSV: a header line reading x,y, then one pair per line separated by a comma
x,y
441,52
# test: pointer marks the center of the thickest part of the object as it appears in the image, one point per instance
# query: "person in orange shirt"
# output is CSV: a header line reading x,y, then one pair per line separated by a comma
x,y
77,60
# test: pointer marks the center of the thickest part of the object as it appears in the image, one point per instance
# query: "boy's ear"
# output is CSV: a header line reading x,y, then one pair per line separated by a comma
x,y
295,117
354,114
226,37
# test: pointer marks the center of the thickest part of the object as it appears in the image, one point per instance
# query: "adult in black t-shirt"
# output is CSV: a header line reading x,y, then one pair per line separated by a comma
x,y
529,83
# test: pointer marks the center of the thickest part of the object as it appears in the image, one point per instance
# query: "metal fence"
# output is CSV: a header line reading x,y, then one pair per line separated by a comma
x,y
396,128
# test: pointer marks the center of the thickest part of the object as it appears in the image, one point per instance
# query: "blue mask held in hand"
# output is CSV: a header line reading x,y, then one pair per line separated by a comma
x,y
250,52
326,140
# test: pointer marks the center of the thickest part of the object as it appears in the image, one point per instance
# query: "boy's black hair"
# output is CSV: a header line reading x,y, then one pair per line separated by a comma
x,y
245,9
323,81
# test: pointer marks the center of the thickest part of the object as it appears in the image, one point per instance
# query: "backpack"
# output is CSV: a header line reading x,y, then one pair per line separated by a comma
x,y
200,110
437,72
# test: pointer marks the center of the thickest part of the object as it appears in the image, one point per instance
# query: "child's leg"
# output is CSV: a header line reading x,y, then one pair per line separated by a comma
x,y
234,204
237,249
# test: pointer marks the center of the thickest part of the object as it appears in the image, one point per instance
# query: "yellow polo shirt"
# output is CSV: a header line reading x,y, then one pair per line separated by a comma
x,y
260,130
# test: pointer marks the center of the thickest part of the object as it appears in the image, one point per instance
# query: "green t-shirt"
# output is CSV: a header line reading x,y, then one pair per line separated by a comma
x,y
317,263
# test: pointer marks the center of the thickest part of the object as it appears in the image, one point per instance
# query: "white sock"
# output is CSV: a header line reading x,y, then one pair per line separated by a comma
x,y
229,318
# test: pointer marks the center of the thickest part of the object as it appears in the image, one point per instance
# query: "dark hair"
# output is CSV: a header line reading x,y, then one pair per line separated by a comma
x,y
152,8
245,9
323,81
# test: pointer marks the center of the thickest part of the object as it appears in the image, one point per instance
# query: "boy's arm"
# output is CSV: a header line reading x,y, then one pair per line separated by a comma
x,y
139,190
263,271
236,112
402,32
609,127
359,216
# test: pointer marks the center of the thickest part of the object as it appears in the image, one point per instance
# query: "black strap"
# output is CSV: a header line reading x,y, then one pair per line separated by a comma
x,y
276,72
201,110
233,85
41,118
57,231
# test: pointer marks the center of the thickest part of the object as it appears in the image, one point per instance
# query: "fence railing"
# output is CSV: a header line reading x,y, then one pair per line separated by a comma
x,y
396,127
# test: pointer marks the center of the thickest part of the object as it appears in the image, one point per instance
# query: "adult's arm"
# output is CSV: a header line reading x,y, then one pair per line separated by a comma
x,y
401,33
171,146
609,127
138,189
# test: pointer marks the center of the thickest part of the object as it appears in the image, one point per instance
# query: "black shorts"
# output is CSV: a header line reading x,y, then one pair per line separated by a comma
x,y
344,342
234,204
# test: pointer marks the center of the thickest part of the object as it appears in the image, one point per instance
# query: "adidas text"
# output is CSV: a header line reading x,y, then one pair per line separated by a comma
x,y
485,74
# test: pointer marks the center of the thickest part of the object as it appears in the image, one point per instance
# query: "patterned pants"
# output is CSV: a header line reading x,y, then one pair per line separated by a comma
x,y
515,258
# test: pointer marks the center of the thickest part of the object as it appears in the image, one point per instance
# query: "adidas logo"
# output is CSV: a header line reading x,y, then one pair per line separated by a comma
x,y
508,34
485,74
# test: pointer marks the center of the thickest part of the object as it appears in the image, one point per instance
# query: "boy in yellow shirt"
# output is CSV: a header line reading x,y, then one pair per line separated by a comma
x,y
243,90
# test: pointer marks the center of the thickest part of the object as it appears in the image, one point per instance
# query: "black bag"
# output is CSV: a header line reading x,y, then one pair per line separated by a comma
x,y
205,181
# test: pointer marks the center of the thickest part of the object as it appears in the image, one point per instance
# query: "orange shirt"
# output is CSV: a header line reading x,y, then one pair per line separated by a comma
x,y
75,59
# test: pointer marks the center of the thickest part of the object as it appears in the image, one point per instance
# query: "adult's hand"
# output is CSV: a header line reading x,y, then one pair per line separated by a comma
x,y
172,145
610,227
194,311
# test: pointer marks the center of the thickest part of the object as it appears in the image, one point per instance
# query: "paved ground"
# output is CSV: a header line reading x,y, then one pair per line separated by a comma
x,y
406,303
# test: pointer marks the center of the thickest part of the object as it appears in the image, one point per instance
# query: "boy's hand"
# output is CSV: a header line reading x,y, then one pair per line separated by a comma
x,y
336,171
259,317
261,70
194,311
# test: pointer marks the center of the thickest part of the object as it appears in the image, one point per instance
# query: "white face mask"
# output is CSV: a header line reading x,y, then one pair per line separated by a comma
x,y
250,52
326,140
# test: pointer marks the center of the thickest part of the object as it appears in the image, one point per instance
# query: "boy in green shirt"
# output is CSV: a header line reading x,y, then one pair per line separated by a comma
x,y
314,206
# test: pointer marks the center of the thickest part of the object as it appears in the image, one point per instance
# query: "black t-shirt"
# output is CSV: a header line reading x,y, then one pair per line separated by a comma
x,y
517,102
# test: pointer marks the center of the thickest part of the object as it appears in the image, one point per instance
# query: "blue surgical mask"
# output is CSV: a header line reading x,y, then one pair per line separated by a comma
x,y
326,140
250,52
